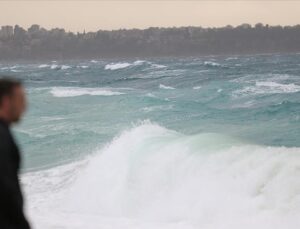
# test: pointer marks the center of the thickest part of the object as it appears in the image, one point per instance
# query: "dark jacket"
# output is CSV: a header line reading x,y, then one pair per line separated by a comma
x,y
11,199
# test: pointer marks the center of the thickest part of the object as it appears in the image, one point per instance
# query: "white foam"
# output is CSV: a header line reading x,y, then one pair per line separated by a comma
x,y
14,67
271,77
158,107
197,87
232,58
79,91
11,68
273,86
151,177
121,65
64,67
211,63
138,62
158,66
44,66
4,68
116,66
54,66
83,66
268,87
162,86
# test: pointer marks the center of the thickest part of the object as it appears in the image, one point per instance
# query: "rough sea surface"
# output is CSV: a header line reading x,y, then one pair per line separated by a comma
x,y
166,143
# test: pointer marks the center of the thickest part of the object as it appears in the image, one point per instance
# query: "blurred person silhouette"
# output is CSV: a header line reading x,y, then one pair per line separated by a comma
x,y
12,107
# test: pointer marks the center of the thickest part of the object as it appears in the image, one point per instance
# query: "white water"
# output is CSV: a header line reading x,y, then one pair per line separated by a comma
x,y
44,66
162,86
152,177
79,91
54,66
268,87
158,66
211,64
116,66
197,87
64,67
83,66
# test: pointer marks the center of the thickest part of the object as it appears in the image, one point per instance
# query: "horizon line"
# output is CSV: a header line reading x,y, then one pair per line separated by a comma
x,y
159,27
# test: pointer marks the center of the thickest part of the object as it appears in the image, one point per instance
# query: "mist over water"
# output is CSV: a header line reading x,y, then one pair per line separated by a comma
x,y
208,142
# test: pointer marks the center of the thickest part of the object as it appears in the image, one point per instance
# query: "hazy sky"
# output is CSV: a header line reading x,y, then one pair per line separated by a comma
x,y
94,15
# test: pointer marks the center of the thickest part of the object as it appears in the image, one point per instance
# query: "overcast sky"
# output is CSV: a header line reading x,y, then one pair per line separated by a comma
x,y
94,15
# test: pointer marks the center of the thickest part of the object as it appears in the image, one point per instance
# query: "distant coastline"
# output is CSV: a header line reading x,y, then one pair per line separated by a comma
x,y
37,43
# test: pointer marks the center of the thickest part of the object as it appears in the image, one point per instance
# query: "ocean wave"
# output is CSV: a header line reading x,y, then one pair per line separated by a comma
x,y
4,68
158,66
154,175
116,66
271,77
211,64
197,87
55,66
162,174
83,66
162,86
121,65
79,91
268,87
283,107
64,67
11,68
232,58
159,107
138,62
44,66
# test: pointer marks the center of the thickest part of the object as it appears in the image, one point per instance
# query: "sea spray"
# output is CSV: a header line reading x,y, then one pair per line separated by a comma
x,y
150,173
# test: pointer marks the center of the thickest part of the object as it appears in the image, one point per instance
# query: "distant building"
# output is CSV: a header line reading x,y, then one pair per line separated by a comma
x,y
6,32
19,32
259,26
57,32
34,29
245,26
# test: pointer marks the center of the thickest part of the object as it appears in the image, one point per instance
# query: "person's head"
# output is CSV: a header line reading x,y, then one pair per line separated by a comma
x,y
12,100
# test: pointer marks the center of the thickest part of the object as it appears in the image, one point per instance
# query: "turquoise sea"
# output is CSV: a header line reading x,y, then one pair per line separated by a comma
x,y
210,142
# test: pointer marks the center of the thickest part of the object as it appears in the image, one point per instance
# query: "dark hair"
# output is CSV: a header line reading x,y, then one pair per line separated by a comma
x,y
7,85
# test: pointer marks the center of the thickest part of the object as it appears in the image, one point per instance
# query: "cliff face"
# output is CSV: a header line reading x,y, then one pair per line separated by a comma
x,y
39,43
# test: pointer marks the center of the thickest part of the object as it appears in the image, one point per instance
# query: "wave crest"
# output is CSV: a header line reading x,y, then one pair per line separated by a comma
x,y
153,173
79,91
268,87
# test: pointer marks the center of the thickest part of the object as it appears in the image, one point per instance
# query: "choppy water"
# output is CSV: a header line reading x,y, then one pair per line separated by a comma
x,y
208,142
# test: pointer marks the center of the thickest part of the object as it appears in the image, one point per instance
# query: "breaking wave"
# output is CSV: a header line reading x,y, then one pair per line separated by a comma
x,y
266,87
152,177
121,65
211,64
162,86
79,91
